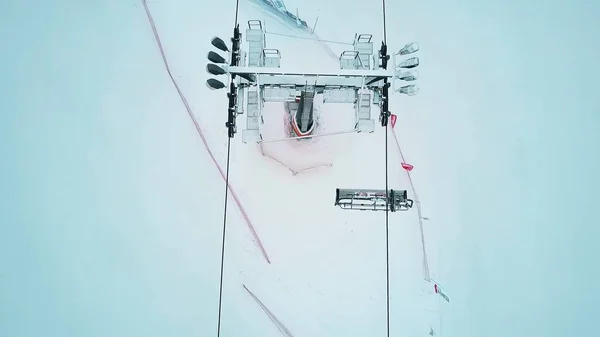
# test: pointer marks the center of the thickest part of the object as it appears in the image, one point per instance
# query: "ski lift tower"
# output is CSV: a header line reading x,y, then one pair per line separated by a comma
x,y
363,78
256,78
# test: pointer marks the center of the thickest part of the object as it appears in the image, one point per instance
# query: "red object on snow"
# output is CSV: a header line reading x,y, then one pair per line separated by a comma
x,y
435,287
393,120
407,167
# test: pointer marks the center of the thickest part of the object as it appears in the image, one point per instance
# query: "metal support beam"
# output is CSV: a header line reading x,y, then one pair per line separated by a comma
x,y
232,95
341,78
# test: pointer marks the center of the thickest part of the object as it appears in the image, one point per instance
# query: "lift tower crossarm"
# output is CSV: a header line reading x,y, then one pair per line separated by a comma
x,y
342,78
256,77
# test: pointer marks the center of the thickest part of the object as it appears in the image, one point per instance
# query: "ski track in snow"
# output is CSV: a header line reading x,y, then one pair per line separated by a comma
x,y
201,134
280,326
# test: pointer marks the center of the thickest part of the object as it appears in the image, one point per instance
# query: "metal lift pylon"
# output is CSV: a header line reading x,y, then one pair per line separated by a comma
x,y
260,79
363,78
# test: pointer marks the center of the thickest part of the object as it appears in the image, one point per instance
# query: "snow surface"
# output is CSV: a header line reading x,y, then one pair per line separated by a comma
x,y
322,258
110,220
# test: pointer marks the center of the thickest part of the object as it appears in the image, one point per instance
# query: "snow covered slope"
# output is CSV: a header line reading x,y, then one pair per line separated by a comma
x,y
322,258
327,270
116,210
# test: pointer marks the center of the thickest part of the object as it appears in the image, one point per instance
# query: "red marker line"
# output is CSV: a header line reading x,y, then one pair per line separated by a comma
x,y
426,274
200,133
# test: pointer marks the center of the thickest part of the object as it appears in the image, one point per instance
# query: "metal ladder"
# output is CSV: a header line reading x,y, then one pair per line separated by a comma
x,y
360,57
364,123
252,114
349,60
255,36
364,47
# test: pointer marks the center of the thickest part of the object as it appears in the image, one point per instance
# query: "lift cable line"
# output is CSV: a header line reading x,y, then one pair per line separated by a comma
x,y
218,43
385,111
223,238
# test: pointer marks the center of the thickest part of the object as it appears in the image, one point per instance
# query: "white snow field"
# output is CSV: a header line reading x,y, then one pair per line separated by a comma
x,y
111,206
327,270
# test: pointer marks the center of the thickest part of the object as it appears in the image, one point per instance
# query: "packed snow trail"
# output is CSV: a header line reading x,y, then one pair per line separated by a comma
x,y
201,134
